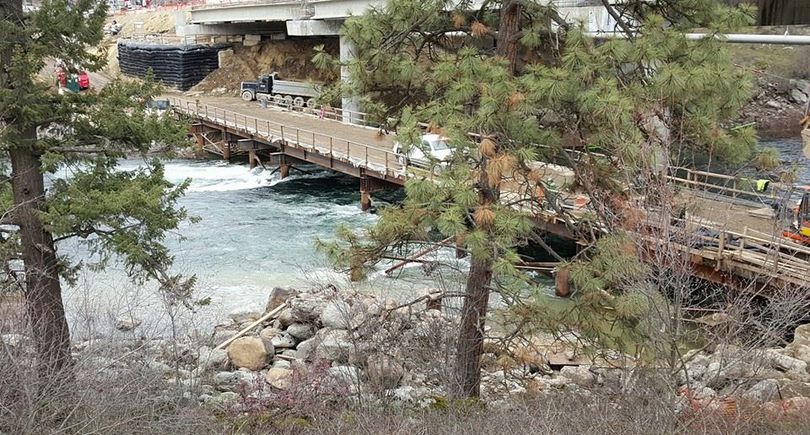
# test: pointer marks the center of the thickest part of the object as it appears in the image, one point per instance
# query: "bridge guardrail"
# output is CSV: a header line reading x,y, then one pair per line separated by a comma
x,y
357,154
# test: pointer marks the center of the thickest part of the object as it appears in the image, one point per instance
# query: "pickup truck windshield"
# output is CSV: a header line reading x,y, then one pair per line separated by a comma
x,y
436,145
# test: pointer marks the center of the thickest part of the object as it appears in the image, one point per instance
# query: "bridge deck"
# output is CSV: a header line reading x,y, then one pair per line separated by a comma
x,y
745,239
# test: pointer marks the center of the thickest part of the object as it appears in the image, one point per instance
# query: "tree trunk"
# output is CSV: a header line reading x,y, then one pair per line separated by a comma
x,y
471,334
508,29
470,345
43,292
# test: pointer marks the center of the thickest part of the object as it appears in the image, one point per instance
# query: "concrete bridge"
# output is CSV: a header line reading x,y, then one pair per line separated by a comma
x,y
735,238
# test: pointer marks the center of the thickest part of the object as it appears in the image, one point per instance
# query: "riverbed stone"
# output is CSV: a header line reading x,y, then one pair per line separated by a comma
x,y
336,315
763,391
579,375
277,297
306,308
383,371
268,333
301,331
248,352
279,377
345,375
798,96
283,341
244,315
127,323
211,358
801,335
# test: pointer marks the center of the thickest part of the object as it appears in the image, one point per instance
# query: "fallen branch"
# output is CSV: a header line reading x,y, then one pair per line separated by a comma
x,y
253,325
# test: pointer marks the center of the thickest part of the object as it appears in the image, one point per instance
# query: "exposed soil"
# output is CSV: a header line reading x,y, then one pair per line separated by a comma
x,y
291,58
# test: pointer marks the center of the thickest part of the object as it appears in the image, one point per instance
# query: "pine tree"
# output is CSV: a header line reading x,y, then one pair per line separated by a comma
x,y
41,131
541,91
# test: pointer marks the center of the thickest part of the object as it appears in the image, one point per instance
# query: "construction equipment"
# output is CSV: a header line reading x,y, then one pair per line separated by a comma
x,y
800,232
291,93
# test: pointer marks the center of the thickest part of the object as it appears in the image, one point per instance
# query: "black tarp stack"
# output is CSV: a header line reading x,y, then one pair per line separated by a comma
x,y
178,66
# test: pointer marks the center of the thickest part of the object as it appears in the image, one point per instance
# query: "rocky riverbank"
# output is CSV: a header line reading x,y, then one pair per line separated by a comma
x,y
777,106
326,345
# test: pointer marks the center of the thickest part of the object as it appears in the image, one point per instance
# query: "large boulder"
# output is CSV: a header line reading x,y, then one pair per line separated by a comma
x,y
801,336
301,331
248,352
336,315
579,375
383,371
243,315
211,358
306,308
277,297
279,377
327,344
794,368
127,323
763,391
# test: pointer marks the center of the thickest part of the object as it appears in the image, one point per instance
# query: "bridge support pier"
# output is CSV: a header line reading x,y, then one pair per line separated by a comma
x,y
347,54
284,170
365,200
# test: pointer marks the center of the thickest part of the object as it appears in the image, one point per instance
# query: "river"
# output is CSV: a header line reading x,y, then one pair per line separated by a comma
x,y
257,232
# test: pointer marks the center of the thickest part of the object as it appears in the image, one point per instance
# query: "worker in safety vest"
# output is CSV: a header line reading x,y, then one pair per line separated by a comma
x,y
762,185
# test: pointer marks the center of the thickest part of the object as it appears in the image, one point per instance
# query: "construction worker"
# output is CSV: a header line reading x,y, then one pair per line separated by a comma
x,y
761,185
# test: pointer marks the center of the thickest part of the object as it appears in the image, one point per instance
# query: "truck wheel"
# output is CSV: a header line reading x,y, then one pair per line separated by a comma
x,y
298,102
288,100
247,96
311,103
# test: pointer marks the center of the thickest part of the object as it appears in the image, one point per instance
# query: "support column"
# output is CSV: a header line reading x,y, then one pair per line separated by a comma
x,y
284,170
225,146
365,200
347,54
252,159
200,141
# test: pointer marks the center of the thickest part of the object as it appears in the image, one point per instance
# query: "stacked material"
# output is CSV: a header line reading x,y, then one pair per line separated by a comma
x,y
178,66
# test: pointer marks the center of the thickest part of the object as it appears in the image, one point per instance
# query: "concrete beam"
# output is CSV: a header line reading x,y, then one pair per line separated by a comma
x,y
314,27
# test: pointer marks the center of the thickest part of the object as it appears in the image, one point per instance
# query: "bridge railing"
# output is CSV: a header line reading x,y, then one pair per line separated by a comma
x,y
729,185
355,153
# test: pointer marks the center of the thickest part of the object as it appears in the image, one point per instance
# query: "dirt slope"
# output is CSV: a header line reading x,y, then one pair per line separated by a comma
x,y
292,58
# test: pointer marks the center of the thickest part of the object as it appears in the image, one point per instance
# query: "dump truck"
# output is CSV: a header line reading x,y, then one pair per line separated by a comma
x,y
293,93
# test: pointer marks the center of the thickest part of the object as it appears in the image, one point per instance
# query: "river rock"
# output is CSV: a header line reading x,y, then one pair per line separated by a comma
x,y
763,391
795,369
279,377
277,297
283,364
244,315
773,104
306,308
248,352
128,323
579,375
283,341
336,315
383,371
345,375
798,96
301,331
327,344
801,336
225,381
284,318
219,402
268,333
211,358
